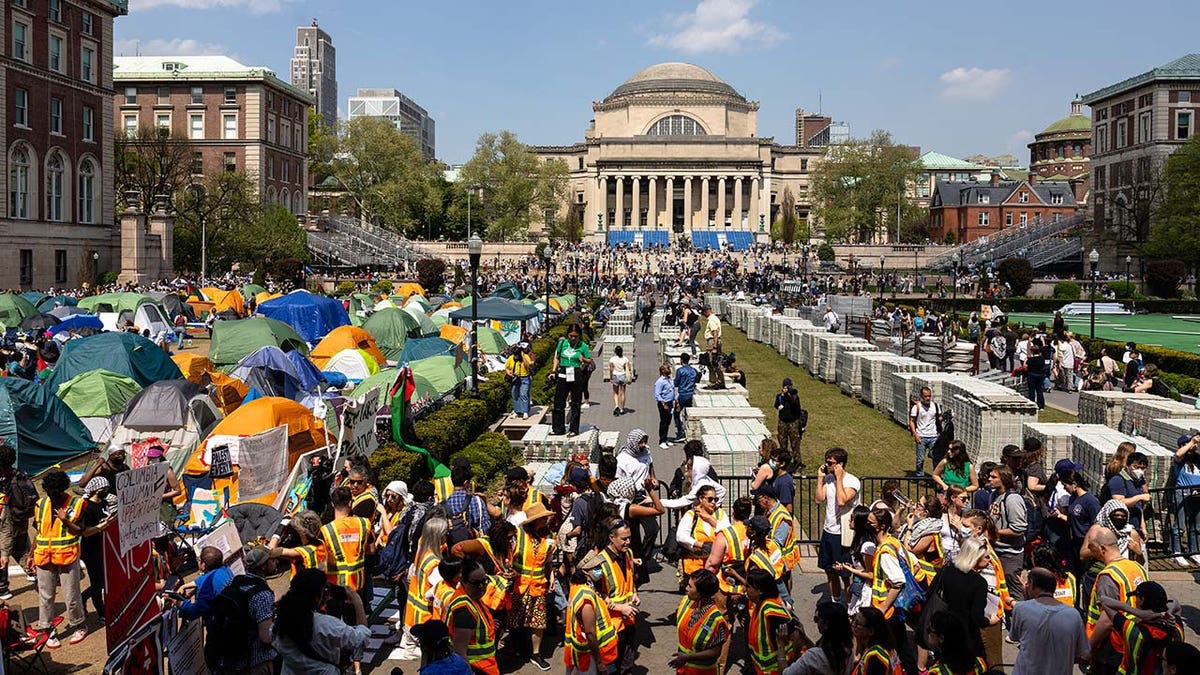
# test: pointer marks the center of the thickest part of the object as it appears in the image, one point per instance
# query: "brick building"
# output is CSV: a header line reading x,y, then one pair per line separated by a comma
x,y
975,209
238,118
57,225
1062,151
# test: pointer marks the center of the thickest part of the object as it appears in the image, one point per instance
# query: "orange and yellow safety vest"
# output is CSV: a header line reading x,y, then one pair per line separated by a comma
x,y
576,647
699,633
481,650
54,544
346,542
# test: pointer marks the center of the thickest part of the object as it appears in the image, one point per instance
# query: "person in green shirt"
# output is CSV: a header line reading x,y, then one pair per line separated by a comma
x,y
570,357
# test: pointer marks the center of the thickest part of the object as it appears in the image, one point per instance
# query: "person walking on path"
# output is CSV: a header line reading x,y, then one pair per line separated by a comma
x,y
923,425
570,357
686,378
519,369
618,373
666,400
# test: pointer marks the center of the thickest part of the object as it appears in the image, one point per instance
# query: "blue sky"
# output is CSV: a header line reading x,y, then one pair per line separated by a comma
x,y
959,78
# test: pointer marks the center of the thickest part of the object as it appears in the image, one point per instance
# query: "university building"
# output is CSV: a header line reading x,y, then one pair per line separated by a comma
x,y
1062,151
974,209
674,153
55,126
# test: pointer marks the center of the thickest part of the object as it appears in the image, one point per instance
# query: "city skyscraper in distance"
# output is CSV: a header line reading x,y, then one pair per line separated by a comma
x,y
314,69
402,111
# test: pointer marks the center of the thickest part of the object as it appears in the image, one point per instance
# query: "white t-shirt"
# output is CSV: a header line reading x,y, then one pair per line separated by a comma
x,y
830,318
618,364
833,514
926,419
636,468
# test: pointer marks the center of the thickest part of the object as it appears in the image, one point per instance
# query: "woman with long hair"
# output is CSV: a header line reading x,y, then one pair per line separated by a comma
x,y
697,529
956,469
833,651
1117,464
923,536
982,526
418,608
769,635
495,551
874,652
1066,588
309,641
862,560
957,501
764,471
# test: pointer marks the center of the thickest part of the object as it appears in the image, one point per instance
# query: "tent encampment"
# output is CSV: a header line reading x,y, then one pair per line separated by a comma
x,y
77,322
225,301
508,290
97,393
423,348
496,308
437,375
39,425
234,340
391,328
356,364
313,316
345,337
491,342
192,365
176,412
39,322
14,309
271,373
174,304
126,354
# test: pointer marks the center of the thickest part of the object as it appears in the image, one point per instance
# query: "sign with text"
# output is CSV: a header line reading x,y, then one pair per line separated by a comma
x,y
226,540
262,463
357,437
139,494
222,462
294,495
140,654
128,584
185,650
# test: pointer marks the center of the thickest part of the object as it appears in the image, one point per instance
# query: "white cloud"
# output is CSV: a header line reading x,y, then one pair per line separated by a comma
x,y
172,47
718,26
1019,141
254,6
974,84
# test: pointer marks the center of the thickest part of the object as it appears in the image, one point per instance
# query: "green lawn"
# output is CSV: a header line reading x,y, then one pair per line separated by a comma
x,y
1049,414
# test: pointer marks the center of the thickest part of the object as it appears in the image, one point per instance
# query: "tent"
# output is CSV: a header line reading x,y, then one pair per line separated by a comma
x,y
35,298
508,290
252,291
437,375
345,337
455,334
391,328
491,342
427,327
496,308
176,412
126,354
356,364
269,371
14,309
39,322
43,429
423,348
419,301
409,288
116,302
225,300
234,340
77,322
192,365
227,392
65,311
52,301
384,380
97,393
313,316
174,304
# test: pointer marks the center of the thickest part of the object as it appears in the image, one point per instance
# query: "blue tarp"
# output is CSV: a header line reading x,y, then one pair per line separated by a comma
x,y
125,354
76,322
47,431
310,375
416,349
312,316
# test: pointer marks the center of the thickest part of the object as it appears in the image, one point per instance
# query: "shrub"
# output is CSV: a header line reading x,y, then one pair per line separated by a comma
x,y
950,238
1017,273
1164,276
826,252
382,287
1066,290
1182,383
491,454
430,273
108,278
345,288
1125,291
391,463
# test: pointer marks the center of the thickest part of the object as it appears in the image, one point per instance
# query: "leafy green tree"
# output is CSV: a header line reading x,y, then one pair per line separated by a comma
x,y
322,147
272,234
515,186
152,162
1017,273
788,222
1177,233
1164,276
825,252
216,205
386,175
857,186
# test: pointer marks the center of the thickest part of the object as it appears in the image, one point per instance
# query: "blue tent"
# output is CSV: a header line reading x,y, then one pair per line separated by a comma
x,y
416,349
310,375
270,372
312,316
77,321
125,354
500,309
40,425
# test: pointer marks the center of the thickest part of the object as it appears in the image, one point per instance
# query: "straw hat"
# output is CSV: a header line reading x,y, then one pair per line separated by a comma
x,y
536,512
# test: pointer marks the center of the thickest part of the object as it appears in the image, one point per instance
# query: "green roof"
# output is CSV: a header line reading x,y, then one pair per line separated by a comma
x,y
936,161
1186,67
1070,123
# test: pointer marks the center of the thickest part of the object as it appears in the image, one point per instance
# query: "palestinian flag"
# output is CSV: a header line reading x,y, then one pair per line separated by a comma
x,y
400,394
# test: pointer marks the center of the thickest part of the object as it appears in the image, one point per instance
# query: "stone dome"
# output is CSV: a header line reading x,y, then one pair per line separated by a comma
x,y
664,78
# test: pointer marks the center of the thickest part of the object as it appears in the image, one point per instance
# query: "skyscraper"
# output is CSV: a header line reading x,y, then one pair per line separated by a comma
x,y
314,69
403,112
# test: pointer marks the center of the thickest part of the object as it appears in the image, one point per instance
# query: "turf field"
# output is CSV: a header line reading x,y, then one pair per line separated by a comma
x,y
1156,330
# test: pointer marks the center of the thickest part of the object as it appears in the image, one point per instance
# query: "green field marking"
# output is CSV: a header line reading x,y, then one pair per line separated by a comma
x,y
1172,332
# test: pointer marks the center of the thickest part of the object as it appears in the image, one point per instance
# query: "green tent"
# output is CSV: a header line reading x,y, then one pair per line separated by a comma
x,y
491,342
251,290
415,300
383,379
439,320
119,302
126,354
14,309
427,326
233,340
391,327
98,393
40,426
437,375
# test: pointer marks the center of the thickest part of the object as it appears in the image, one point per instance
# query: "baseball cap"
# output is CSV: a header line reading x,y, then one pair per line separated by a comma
x,y
759,523
787,381
591,561
1152,595
1183,440
766,490
578,475
1066,464
257,556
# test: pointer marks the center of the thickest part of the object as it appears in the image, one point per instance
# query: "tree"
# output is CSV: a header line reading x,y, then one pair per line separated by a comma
x,y
515,186
152,162
825,252
1164,276
431,274
322,147
271,234
1130,212
857,187
1177,233
1017,273
215,205
787,218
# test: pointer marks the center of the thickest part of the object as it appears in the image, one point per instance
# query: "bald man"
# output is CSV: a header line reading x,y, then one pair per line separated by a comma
x,y
1117,580
1051,633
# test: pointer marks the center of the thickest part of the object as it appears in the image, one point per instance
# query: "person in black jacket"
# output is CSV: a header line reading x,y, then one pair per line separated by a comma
x,y
787,402
1035,375
965,593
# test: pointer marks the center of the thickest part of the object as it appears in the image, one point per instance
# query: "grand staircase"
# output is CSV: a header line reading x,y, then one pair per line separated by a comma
x,y
348,242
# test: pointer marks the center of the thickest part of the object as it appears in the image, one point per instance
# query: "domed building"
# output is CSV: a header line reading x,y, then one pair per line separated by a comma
x,y
1062,151
674,152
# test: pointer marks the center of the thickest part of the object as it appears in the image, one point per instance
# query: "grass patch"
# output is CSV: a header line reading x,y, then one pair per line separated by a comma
x,y
1055,415
877,445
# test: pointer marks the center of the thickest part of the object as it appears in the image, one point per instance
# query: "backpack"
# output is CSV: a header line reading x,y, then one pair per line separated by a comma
x,y
1034,521
460,525
22,497
229,635
802,418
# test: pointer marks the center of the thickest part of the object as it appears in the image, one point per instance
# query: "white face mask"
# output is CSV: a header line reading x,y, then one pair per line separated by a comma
x,y
1137,474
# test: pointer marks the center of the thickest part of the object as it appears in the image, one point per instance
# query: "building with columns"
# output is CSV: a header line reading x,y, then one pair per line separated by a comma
x,y
674,153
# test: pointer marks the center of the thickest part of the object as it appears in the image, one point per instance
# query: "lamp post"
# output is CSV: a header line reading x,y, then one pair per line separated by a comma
x,y
199,193
474,251
1128,282
954,289
546,266
881,261
1094,259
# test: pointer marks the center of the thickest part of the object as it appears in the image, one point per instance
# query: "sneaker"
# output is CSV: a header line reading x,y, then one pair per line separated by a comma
x,y
31,577
52,643
1008,638
78,636
541,663
1182,561
1196,558
616,411
664,445
6,595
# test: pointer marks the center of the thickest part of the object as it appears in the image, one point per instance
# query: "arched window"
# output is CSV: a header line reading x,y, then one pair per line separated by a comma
x,y
87,191
285,198
676,125
270,195
296,203
55,179
18,182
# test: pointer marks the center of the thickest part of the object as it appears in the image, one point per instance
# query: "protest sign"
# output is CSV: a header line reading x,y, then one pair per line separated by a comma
x,y
128,584
185,650
262,463
222,461
226,540
357,437
139,493
294,495
140,654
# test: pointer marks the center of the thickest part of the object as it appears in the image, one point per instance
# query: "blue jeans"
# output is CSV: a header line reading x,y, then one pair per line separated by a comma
x,y
1186,505
520,395
683,403
923,446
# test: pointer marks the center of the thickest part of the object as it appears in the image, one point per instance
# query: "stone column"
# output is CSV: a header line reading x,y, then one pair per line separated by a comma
x,y
603,210
721,201
704,200
737,202
620,203
670,198
637,201
163,225
133,246
754,202
652,216
687,204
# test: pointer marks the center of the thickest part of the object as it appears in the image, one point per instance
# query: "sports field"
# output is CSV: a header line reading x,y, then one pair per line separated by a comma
x,y
1180,332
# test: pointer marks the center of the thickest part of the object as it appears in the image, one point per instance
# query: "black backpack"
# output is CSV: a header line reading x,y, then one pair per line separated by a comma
x,y
460,525
22,497
230,633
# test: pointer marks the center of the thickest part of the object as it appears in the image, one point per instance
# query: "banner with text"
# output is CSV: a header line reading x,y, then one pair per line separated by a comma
x,y
294,495
185,650
357,437
128,584
139,494
262,463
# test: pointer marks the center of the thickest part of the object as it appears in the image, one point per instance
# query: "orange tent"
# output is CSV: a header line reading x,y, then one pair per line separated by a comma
x,y
455,334
200,307
228,392
345,337
223,300
192,365
409,288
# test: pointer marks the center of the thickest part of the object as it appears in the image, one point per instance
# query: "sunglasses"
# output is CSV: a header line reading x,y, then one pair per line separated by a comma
x,y
475,583
355,482
710,500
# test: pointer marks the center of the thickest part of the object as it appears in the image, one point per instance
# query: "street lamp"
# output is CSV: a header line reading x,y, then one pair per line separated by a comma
x,y
881,261
954,289
1128,282
546,262
199,193
1094,259
474,251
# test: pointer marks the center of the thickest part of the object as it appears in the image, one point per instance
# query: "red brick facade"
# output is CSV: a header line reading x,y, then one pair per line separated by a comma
x,y
973,210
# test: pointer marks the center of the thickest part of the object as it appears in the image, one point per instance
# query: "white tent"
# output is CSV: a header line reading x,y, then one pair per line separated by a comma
x,y
355,364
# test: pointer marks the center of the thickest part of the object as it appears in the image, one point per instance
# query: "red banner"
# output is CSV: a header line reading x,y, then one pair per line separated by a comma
x,y
129,602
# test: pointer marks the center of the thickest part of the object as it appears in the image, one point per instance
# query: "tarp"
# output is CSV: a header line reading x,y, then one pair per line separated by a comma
x,y
422,348
48,432
391,328
427,326
97,393
305,432
356,364
310,375
508,290
313,316
14,309
345,337
234,340
66,311
192,365
77,322
496,308
126,354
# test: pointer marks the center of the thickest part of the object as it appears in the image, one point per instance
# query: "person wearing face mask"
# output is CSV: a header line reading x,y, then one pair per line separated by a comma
x,y
112,465
616,571
1129,486
534,576
590,631
167,510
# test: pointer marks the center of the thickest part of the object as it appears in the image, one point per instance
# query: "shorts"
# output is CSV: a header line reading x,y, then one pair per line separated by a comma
x,y
618,380
829,551
527,611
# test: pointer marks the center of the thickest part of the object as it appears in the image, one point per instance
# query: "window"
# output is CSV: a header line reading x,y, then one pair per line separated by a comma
x,y
229,126
1058,152
1183,125
1101,174
196,126
56,116
56,49
18,183
20,46
26,267
271,167
1144,128
164,95
230,162
197,163
270,128
1024,219
985,198
21,107
230,95
983,219
129,123
1184,96
87,20
197,95
1056,198
1122,132
130,95
803,165
60,266
89,123
87,191
55,173
56,13
1056,218
1007,219
1101,138
299,144
87,57
676,125
285,133
163,121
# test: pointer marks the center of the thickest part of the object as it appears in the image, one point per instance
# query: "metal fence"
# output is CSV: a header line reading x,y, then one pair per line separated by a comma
x,y
1173,522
